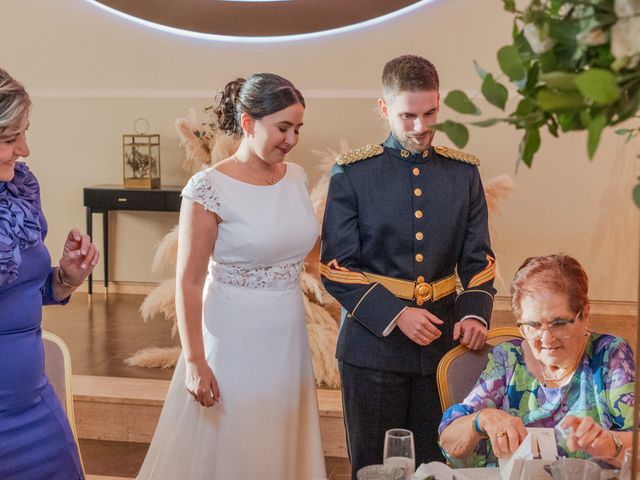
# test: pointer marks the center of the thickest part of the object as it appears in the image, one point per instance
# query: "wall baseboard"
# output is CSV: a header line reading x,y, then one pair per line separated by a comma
x,y
598,307
136,288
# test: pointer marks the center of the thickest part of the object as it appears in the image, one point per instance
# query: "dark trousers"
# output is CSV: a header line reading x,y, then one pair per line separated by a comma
x,y
376,401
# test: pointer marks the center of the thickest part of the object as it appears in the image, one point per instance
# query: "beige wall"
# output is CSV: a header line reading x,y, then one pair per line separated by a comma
x,y
92,74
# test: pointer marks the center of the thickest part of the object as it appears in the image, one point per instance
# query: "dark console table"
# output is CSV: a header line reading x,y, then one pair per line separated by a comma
x,y
105,198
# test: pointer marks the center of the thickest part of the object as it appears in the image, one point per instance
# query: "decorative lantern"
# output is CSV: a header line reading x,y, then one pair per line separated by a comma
x,y
141,158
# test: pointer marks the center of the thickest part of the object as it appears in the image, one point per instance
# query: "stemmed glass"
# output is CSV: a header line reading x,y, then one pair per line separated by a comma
x,y
399,451
380,472
625,469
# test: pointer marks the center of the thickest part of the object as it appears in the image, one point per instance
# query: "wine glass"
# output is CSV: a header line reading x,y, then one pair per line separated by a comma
x,y
609,470
575,469
625,469
399,451
380,472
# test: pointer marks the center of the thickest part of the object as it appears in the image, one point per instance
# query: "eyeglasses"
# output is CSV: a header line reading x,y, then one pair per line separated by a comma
x,y
559,328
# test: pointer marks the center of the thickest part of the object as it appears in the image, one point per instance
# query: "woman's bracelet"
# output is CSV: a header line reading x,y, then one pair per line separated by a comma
x,y
476,426
63,282
617,441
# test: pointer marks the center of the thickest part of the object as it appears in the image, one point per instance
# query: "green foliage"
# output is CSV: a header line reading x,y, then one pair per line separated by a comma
x,y
511,63
563,73
595,126
529,145
457,132
599,86
558,101
636,195
494,92
459,101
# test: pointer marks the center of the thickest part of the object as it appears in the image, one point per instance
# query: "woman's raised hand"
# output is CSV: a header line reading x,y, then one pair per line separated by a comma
x,y
201,383
79,257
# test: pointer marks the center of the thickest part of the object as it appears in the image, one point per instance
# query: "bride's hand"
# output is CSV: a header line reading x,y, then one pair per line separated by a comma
x,y
201,383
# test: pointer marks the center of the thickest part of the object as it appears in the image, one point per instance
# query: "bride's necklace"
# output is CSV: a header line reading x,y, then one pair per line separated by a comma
x,y
268,181
554,382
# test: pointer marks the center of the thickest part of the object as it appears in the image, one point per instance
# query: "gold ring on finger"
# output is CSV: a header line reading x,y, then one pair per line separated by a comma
x,y
501,434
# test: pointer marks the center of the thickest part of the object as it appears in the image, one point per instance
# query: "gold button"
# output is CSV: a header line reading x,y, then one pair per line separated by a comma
x,y
419,236
419,258
418,214
425,154
416,171
404,153
417,192
420,279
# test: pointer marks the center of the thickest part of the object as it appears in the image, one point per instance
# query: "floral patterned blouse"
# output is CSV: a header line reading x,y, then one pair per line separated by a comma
x,y
601,388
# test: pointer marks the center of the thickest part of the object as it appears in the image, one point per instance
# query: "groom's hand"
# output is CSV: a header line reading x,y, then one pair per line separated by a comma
x,y
419,325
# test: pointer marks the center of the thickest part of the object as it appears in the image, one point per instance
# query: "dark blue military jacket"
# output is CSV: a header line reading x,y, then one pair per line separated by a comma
x,y
405,216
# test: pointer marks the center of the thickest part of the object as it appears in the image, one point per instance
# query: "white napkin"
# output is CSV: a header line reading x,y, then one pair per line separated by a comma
x,y
438,470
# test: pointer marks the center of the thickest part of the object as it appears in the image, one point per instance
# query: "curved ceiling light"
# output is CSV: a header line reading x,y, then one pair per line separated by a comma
x,y
258,21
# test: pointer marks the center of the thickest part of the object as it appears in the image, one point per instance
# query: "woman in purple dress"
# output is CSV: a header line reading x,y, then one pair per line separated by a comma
x,y
35,437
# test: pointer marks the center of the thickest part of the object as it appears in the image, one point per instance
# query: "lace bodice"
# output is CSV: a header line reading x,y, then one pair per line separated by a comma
x,y
265,232
273,277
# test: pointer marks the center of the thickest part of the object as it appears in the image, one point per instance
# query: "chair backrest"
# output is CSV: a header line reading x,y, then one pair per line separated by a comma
x,y
57,366
460,368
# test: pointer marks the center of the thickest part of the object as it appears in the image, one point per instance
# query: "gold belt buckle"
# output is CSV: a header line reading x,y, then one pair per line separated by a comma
x,y
422,293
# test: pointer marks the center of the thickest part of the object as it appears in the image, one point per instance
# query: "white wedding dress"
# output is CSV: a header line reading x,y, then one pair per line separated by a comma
x,y
267,425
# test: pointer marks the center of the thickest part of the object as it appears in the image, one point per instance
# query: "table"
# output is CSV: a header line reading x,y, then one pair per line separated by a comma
x,y
484,473
465,473
106,198
494,474
443,472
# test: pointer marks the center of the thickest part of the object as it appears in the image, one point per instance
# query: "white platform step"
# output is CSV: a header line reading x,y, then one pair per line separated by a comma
x,y
127,410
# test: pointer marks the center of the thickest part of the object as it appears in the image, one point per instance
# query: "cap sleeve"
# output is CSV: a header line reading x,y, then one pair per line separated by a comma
x,y
299,172
202,189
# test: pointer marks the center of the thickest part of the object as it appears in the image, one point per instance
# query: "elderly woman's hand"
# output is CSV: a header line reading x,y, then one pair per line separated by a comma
x,y
506,432
587,435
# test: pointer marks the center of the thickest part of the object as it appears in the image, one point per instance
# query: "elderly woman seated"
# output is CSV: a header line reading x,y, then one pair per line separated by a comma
x,y
561,375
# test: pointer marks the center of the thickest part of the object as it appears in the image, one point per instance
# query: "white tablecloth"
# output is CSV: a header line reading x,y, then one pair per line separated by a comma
x,y
490,474
483,473
443,472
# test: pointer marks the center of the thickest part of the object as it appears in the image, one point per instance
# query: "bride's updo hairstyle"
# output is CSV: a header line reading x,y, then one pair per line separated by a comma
x,y
258,96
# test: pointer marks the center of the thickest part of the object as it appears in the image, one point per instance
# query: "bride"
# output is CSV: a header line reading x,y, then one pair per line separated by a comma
x,y
242,402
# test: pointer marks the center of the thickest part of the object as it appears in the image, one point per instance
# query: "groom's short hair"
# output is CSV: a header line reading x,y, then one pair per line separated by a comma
x,y
409,73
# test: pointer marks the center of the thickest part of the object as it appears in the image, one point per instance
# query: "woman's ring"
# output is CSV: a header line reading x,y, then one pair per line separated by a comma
x,y
501,434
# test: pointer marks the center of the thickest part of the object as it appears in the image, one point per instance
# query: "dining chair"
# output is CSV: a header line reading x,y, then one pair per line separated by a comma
x,y
57,366
460,368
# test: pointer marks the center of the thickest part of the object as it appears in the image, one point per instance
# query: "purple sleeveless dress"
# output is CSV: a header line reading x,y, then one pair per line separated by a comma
x,y
36,441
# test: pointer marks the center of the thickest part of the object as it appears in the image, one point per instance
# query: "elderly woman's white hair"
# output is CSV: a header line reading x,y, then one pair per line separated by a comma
x,y
14,105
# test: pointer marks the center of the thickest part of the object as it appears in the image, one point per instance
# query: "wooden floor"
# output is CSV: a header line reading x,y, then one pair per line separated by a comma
x,y
102,333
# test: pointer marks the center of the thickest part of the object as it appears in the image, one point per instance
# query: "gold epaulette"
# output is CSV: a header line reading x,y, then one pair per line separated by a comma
x,y
360,153
457,155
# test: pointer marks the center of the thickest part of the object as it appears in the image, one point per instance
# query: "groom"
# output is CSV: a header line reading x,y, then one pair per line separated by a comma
x,y
401,219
